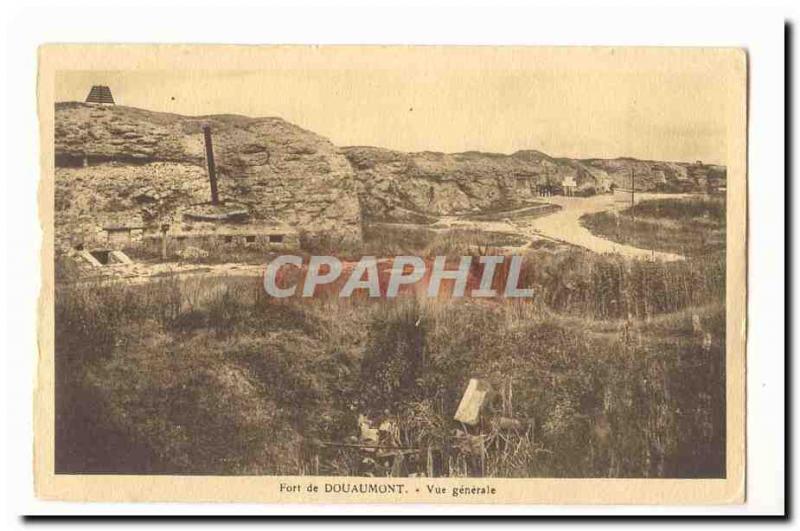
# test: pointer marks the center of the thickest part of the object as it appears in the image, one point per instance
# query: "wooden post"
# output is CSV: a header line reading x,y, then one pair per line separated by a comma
x,y
212,171
164,229
633,200
633,187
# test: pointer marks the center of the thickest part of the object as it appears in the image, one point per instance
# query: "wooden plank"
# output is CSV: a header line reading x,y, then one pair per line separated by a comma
x,y
120,257
469,410
87,256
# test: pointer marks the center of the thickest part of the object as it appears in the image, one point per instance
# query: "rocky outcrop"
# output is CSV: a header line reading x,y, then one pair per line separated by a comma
x,y
119,164
124,166
417,187
659,176
397,186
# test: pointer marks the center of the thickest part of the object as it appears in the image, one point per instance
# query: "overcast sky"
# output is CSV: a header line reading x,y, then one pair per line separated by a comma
x,y
565,108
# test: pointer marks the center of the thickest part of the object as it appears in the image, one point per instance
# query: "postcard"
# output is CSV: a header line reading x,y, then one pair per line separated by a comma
x,y
392,274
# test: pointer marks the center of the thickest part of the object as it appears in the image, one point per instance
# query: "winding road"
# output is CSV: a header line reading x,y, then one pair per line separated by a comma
x,y
565,226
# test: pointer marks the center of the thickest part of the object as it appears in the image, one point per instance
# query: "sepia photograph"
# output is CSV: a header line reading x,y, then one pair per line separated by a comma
x,y
374,269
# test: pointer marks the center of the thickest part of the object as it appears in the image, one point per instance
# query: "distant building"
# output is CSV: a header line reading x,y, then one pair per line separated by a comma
x,y
120,236
100,94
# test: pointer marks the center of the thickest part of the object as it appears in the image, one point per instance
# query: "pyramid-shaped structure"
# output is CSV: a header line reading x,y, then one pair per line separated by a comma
x,y
100,94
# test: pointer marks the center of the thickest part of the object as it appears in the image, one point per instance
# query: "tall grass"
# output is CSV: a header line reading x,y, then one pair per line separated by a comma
x,y
393,240
688,226
615,368
577,282
638,401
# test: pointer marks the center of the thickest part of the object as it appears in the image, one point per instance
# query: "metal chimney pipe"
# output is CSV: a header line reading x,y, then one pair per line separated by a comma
x,y
212,171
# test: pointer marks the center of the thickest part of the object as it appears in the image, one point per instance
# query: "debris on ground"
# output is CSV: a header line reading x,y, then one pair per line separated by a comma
x,y
383,447
473,401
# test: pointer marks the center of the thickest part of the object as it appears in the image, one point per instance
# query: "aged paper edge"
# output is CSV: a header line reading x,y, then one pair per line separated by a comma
x,y
265,489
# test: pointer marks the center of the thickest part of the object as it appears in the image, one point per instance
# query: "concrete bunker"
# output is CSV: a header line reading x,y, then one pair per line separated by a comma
x,y
222,224
215,225
122,235
258,235
101,257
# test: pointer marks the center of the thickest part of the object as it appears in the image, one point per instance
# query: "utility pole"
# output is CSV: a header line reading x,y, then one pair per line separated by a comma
x,y
633,191
633,186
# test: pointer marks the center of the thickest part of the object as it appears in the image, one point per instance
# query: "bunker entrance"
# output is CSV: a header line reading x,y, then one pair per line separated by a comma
x,y
101,256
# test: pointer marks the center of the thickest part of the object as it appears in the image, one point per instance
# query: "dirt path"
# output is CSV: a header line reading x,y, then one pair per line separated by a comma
x,y
565,225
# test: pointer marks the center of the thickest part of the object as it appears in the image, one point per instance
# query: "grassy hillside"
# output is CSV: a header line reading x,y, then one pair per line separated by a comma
x,y
616,369
687,226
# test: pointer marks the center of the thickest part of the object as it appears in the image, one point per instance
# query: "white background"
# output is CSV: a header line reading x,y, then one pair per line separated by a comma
x,y
757,26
